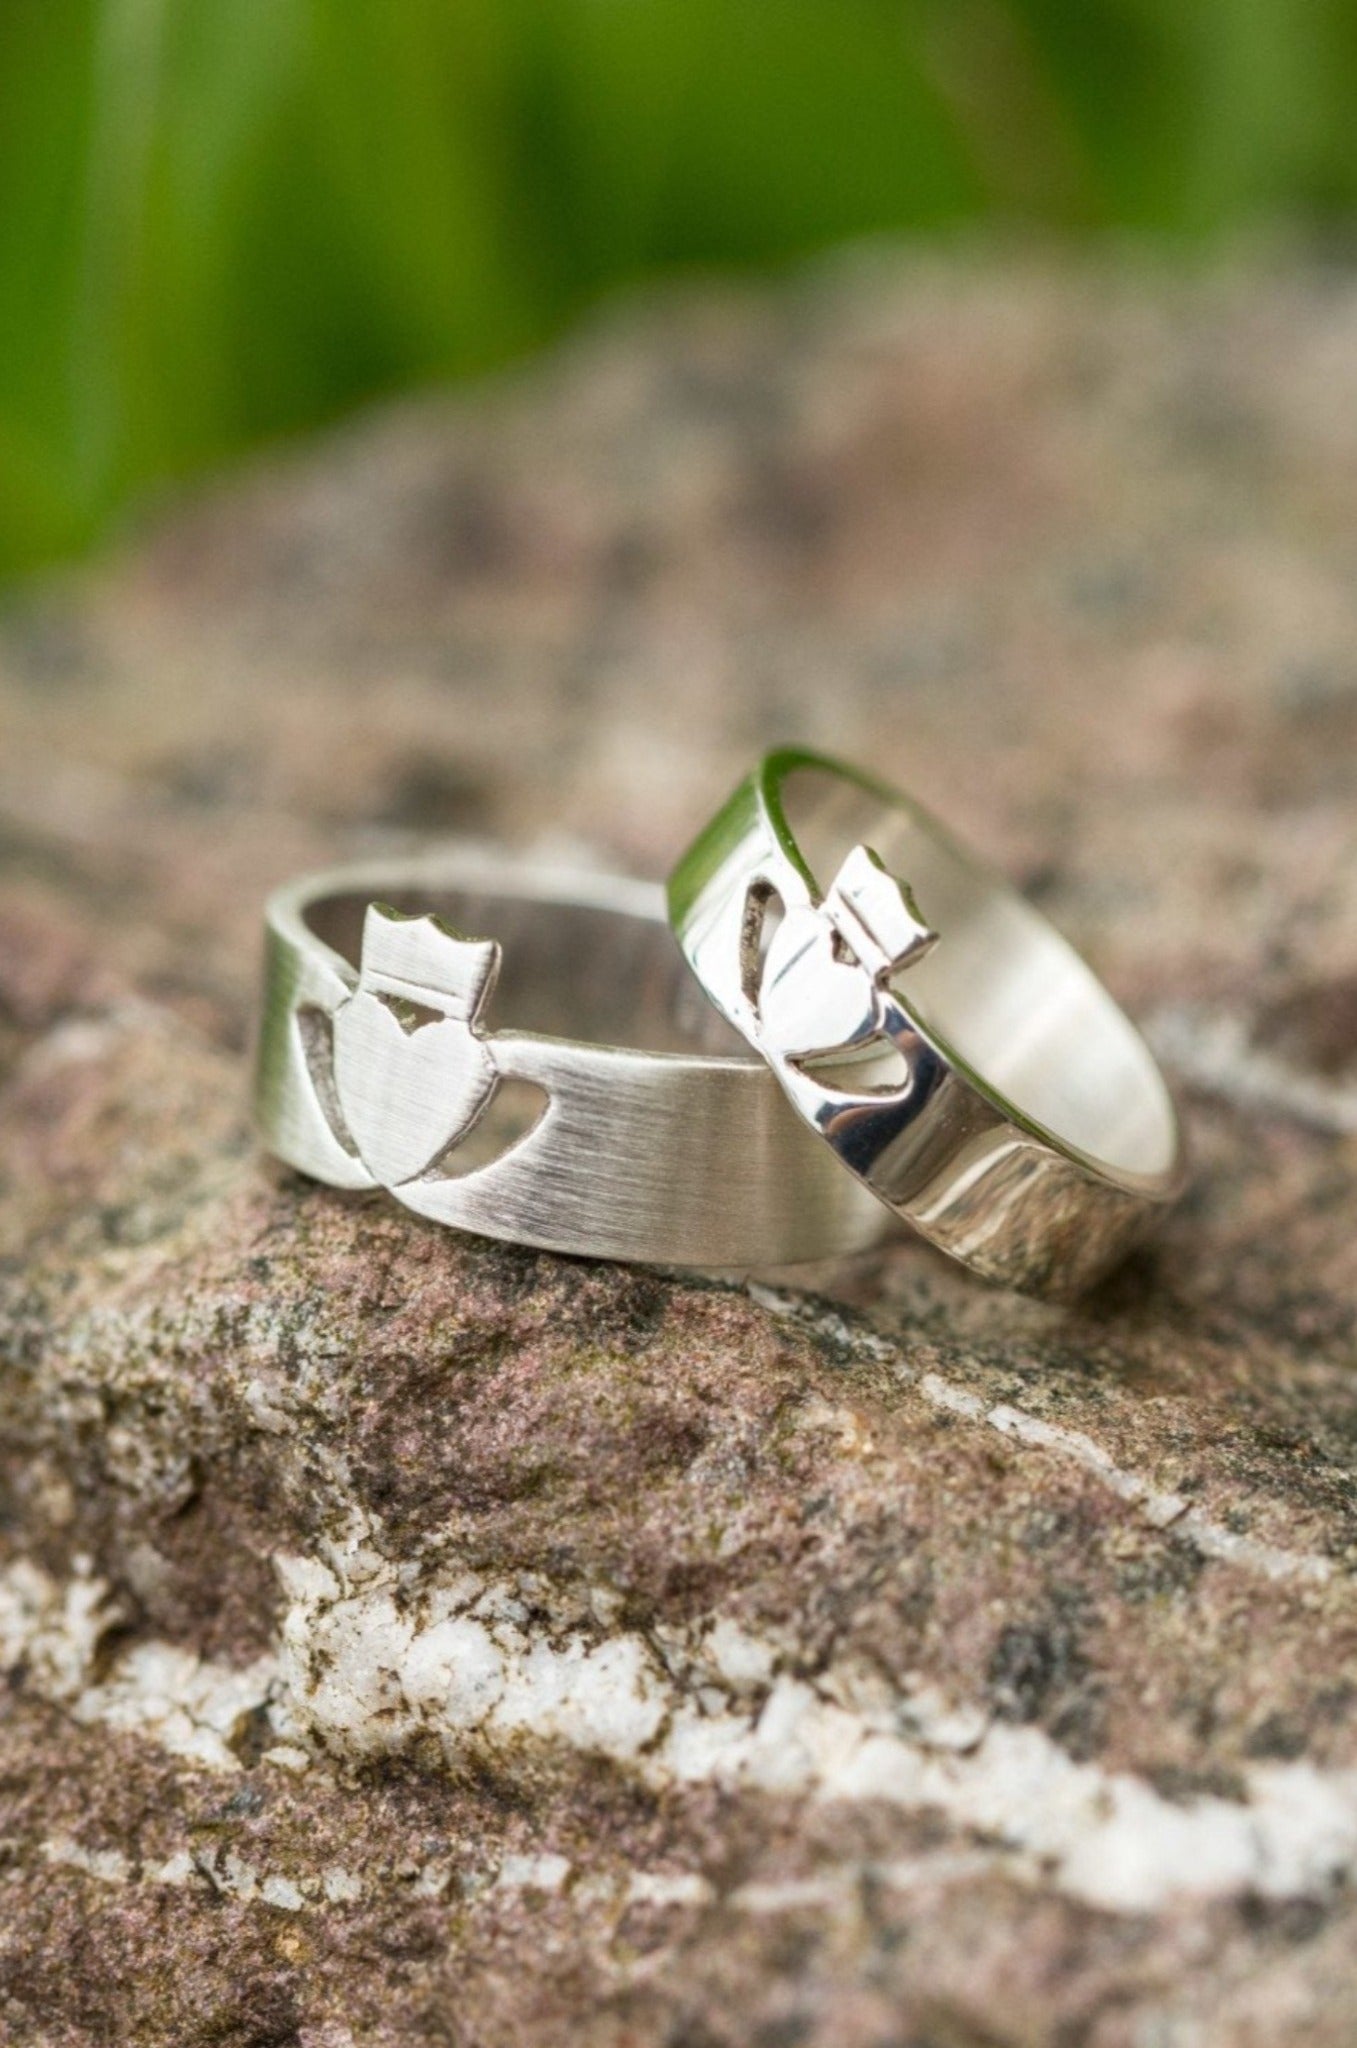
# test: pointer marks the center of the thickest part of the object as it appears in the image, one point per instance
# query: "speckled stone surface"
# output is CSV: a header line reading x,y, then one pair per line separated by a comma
x,y
413,1640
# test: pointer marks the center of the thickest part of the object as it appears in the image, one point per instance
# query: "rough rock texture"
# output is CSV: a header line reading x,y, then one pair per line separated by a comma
x,y
416,1640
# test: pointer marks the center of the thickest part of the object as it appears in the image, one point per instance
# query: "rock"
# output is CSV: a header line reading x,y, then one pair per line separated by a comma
x,y
414,1639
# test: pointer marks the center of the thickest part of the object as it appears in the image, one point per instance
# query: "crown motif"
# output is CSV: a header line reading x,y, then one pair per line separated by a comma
x,y
422,960
823,984
875,916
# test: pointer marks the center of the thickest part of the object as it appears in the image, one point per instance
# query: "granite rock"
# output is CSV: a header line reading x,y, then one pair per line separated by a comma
x,y
411,1639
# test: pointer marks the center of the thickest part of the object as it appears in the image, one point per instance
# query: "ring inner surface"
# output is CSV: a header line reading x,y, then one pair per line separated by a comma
x,y
568,970
1001,990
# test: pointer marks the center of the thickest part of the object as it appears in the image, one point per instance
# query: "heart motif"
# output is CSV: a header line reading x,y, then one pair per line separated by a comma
x,y
810,1000
406,1095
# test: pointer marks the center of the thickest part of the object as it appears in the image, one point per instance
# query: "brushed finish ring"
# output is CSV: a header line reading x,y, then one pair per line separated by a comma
x,y
379,1063
954,1052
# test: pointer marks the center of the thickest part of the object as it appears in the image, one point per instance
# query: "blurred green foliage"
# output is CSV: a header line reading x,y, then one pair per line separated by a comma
x,y
224,219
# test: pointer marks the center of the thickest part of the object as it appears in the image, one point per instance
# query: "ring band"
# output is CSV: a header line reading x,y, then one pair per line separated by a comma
x,y
377,1066
952,1049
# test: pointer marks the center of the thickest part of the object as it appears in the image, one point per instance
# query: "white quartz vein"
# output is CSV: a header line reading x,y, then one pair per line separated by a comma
x,y
365,1667
1158,1506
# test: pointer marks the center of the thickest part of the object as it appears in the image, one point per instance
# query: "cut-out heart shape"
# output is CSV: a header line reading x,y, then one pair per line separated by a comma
x,y
812,1000
823,971
406,1095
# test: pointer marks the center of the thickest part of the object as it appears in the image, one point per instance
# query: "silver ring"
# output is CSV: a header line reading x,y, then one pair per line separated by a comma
x,y
952,1049
380,1065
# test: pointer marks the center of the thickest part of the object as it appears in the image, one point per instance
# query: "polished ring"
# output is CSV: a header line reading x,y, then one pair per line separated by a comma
x,y
950,1047
378,1067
